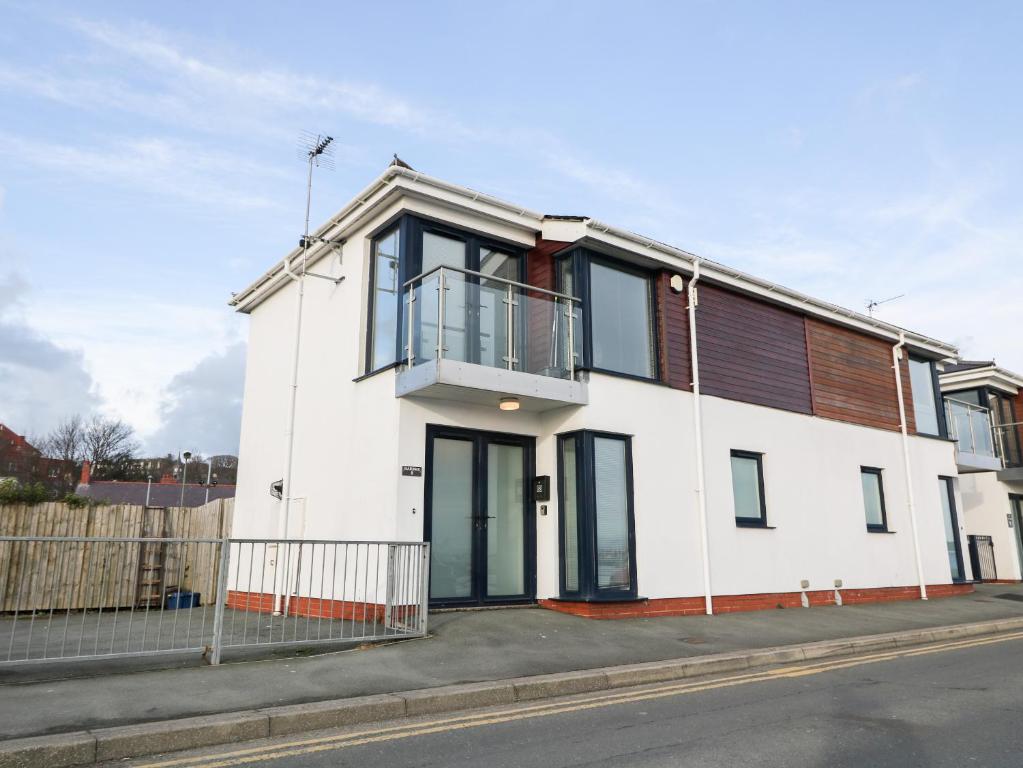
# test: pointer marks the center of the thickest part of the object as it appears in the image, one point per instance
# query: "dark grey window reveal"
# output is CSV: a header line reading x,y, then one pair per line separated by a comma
x,y
622,328
748,489
596,521
951,520
871,479
386,293
926,396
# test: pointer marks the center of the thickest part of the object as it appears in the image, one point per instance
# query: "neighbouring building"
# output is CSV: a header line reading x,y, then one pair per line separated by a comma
x,y
576,415
984,408
24,463
164,491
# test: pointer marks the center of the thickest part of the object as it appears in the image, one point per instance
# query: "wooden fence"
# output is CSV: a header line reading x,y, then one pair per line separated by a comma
x,y
78,575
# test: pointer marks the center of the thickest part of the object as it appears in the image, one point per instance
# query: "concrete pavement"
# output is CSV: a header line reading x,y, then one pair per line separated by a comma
x,y
467,647
927,707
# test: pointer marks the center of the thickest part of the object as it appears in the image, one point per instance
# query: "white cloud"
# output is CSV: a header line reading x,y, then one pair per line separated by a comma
x,y
173,168
134,343
201,408
41,381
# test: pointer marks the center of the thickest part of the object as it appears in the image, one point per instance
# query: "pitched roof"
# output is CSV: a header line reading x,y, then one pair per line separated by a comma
x,y
160,494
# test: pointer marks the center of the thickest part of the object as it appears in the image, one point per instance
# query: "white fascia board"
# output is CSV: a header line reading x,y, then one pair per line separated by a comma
x,y
596,233
989,376
394,181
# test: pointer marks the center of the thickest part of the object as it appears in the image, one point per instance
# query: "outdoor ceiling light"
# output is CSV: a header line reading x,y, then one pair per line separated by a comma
x,y
509,404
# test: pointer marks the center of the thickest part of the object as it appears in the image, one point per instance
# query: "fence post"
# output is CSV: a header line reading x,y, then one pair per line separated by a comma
x,y
424,586
389,589
218,616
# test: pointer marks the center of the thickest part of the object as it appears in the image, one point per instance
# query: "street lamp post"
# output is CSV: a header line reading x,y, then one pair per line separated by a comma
x,y
209,477
184,473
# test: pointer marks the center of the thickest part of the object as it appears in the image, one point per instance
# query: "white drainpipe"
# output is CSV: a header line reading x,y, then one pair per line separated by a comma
x,y
289,434
701,496
896,358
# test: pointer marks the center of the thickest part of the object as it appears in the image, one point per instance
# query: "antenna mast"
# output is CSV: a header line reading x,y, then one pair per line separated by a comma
x,y
317,151
873,304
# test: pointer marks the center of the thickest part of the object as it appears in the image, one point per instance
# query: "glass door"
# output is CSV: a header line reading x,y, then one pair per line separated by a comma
x,y
952,543
479,517
1017,519
452,519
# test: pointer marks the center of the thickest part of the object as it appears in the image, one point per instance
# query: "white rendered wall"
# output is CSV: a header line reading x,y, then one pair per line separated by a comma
x,y
352,437
987,510
815,503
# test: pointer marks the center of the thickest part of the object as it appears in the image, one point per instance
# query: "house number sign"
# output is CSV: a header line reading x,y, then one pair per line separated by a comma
x,y
409,471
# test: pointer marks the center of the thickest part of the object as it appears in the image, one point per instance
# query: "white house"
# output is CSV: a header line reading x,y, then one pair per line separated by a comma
x,y
984,410
524,392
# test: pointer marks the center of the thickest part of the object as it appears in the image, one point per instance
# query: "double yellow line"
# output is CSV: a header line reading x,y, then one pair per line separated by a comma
x,y
577,704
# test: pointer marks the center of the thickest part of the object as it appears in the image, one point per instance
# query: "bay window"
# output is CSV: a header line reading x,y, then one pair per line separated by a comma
x,y
620,330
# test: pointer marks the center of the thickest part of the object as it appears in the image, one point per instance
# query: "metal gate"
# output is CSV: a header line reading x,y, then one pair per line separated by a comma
x,y
982,553
64,598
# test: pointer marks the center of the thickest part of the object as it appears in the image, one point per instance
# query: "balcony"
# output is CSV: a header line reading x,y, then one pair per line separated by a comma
x,y
979,447
483,339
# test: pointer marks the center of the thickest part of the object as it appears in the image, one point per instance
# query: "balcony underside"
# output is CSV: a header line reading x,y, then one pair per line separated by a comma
x,y
1011,475
976,462
483,385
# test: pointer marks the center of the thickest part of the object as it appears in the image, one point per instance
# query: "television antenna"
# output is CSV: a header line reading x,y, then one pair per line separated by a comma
x,y
873,304
317,150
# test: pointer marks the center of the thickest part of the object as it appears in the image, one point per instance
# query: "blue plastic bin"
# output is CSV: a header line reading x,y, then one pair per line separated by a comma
x,y
176,600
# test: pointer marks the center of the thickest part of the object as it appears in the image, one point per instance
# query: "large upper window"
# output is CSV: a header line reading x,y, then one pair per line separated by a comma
x,y
922,380
621,312
474,311
597,530
386,293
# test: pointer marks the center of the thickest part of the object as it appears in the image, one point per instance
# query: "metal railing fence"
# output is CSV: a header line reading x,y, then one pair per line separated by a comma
x,y
91,597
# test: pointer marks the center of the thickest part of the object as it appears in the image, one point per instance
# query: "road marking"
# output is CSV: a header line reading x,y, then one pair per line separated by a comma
x,y
325,743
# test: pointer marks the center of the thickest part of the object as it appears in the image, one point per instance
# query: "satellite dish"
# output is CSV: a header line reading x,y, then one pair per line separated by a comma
x,y
677,283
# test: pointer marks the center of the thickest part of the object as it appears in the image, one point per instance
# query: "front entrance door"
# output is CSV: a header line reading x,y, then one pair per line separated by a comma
x,y
1017,521
479,519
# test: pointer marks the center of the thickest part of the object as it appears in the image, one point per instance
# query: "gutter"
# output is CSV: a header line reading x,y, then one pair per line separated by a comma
x,y
910,503
342,218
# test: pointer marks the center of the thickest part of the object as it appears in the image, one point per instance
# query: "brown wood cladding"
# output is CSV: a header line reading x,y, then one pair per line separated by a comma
x,y
853,378
673,334
751,351
541,271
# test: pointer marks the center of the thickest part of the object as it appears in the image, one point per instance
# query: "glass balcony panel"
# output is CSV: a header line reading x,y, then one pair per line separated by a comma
x,y
494,322
971,428
984,445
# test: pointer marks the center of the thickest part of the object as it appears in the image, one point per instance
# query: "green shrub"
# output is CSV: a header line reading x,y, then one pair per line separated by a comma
x,y
12,493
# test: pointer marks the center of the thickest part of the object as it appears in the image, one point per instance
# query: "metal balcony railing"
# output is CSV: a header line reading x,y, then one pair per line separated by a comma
x,y
972,429
1007,443
471,317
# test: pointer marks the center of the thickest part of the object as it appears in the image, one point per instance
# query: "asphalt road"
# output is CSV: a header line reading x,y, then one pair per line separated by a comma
x,y
952,704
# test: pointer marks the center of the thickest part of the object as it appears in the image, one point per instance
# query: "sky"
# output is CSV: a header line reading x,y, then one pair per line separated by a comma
x,y
149,164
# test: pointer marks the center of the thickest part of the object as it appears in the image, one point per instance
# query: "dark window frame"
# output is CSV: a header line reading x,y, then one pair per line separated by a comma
x,y
939,401
581,259
879,472
751,522
588,590
410,229
949,483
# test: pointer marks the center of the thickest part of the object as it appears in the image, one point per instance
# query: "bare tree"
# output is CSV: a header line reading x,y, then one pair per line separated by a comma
x,y
110,445
66,441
